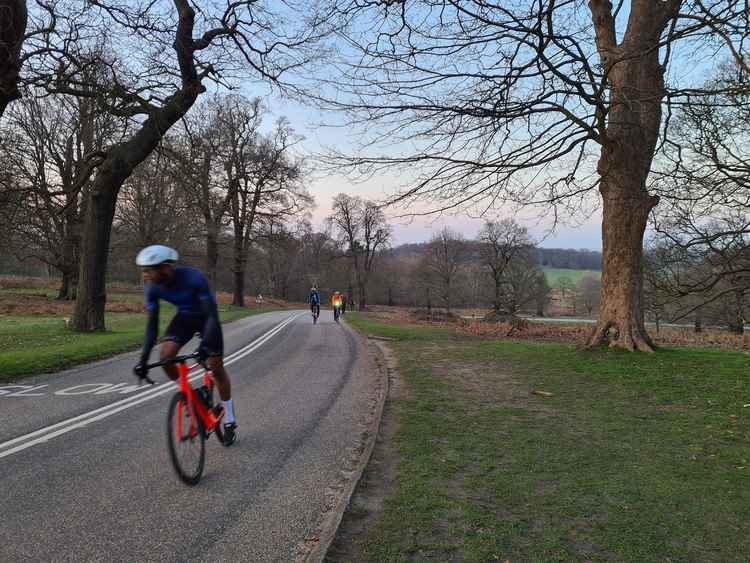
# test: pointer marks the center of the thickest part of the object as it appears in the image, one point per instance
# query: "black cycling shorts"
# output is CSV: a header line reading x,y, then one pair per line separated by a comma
x,y
183,327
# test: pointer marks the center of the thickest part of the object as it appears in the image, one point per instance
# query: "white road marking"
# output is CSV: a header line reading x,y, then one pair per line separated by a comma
x,y
47,433
84,389
26,390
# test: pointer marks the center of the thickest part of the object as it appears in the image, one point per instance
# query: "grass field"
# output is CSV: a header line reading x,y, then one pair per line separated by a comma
x,y
554,274
632,458
38,344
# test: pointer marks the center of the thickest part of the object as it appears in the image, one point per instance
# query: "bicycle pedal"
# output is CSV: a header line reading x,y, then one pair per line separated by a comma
x,y
218,411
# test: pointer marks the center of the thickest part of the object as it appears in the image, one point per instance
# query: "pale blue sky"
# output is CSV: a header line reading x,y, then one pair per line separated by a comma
x,y
306,121
583,232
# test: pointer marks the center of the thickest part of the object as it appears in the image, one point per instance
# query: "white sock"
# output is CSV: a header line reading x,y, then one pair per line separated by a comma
x,y
228,411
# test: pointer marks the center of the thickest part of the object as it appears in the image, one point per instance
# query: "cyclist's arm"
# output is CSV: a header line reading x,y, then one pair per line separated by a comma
x,y
212,326
208,306
152,329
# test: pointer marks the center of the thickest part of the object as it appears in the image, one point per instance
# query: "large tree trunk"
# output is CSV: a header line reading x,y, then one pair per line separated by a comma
x,y
100,211
636,81
625,212
13,16
238,298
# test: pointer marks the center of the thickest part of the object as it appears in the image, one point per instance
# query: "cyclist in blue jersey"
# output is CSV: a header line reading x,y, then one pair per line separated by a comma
x,y
187,289
314,300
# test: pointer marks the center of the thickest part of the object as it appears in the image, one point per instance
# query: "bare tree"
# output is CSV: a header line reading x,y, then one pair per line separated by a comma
x,y
699,260
318,253
283,253
363,230
501,241
444,257
46,142
588,293
267,189
533,103
203,180
566,288
520,282
13,19
542,293
159,54
152,206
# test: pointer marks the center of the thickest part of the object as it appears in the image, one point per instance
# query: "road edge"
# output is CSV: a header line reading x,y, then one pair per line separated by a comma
x,y
316,548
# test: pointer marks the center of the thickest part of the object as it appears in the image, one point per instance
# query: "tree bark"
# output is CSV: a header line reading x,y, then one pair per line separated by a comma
x,y
238,298
625,212
636,81
91,300
13,19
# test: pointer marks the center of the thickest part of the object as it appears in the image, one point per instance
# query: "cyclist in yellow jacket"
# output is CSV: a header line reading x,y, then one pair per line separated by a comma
x,y
336,301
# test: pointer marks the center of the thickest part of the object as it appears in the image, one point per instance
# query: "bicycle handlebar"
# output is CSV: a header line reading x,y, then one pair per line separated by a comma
x,y
176,360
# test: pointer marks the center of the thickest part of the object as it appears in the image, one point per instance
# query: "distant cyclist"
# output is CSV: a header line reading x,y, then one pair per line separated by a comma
x,y
336,301
314,300
187,289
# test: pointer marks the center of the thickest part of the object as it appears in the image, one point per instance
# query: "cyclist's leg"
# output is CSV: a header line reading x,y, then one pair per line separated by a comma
x,y
178,333
167,351
214,348
216,365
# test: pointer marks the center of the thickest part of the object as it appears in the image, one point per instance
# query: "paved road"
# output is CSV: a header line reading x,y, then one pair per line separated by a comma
x,y
85,474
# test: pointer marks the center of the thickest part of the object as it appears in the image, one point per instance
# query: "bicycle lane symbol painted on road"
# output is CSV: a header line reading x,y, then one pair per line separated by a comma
x,y
13,391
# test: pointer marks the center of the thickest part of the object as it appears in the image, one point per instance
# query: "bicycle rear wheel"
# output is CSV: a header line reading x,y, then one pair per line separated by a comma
x,y
187,446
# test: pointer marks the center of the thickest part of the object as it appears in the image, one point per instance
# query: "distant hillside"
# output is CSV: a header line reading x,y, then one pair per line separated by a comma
x,y
570,259
558,258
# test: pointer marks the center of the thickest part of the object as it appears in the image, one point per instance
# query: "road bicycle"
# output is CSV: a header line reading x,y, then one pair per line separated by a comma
x,y
191,419
336,312
315,312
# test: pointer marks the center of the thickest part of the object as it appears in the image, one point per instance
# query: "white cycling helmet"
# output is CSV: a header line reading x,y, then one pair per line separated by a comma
x,y
156,254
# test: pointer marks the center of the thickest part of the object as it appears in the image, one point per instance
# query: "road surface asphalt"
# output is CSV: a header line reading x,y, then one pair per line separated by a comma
x,y
85,473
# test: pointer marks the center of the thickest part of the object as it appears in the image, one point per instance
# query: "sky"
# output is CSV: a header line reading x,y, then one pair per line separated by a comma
x,y
583,233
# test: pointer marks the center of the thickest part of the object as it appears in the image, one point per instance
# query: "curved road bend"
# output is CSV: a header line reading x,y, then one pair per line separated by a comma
x,y
85,474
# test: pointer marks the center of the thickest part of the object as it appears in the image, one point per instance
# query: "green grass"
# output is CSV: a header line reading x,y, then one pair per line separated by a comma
x,y
634,457
554,274
51,293
37,344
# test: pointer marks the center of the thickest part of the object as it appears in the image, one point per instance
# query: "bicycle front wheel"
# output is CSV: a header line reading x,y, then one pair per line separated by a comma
x,y
186,440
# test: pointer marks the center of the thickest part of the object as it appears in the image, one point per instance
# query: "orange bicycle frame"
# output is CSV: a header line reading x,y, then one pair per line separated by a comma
x,y
194,405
